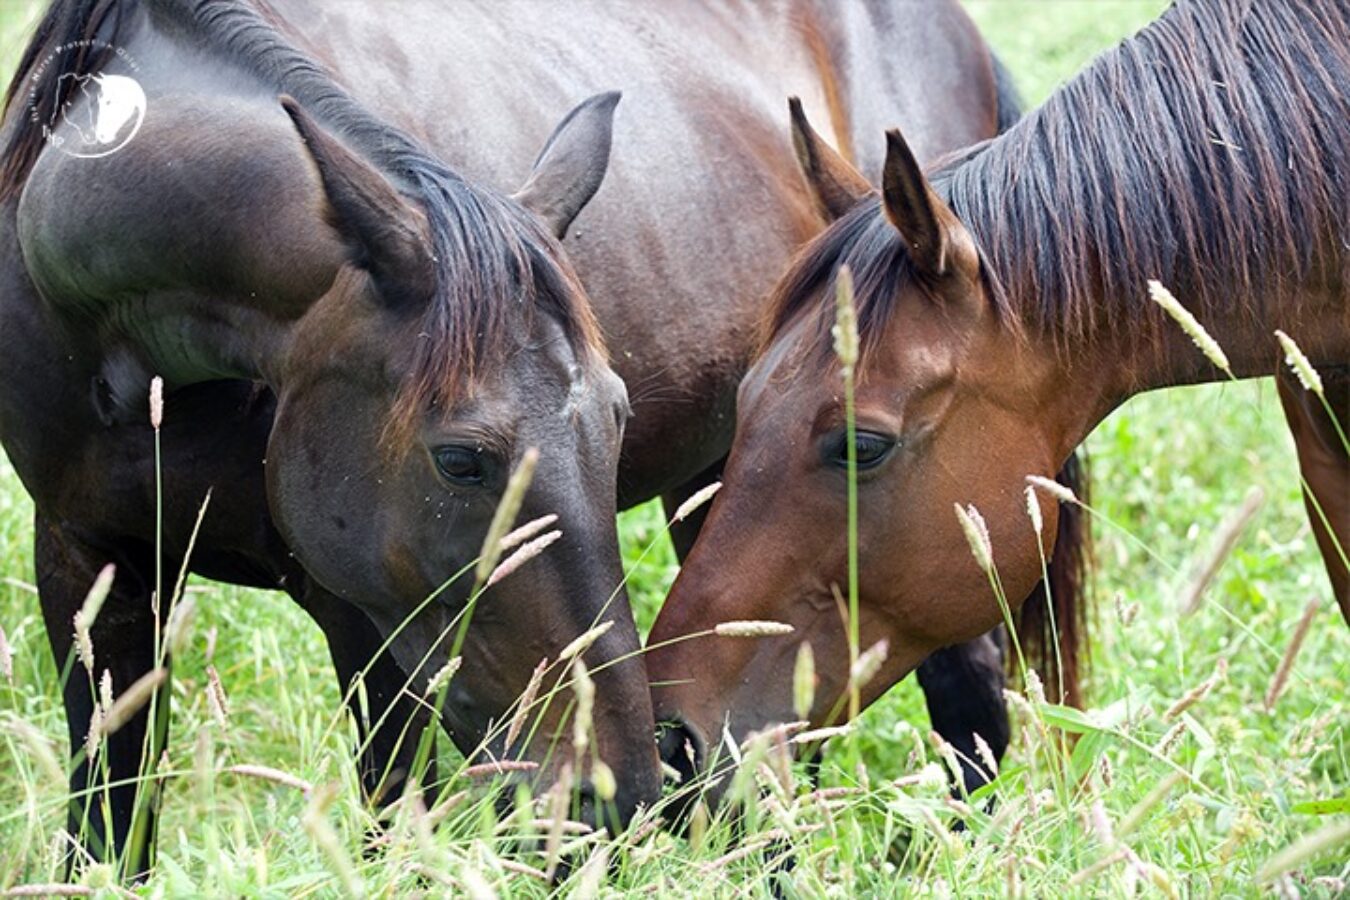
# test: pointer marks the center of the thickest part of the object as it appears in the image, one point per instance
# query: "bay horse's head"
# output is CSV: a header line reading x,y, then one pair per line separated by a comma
x,y
942,418
454,339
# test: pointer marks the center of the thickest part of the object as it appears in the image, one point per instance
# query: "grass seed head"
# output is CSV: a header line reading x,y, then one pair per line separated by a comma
x,y
584,688
804,681
1299,363
156,402
443,675
526,531
977,535
216,698
752,628
105,689
1052,487
507,510
697,499
583,642
845,330
1281,677
1034,510
1189,324
524,554
525,702
865,668
132,699
6,657
88,613
179,628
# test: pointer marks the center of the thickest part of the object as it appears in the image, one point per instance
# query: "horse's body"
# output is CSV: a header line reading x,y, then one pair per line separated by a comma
x,y
255,271
1004,312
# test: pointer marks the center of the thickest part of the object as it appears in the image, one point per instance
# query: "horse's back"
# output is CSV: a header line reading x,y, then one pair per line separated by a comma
x,y
703,203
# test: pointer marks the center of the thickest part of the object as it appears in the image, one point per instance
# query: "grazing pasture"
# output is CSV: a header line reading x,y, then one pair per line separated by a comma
x,y
1208,763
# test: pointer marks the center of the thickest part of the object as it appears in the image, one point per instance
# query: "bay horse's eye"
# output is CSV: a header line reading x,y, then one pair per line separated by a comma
x,y
872,449
459,464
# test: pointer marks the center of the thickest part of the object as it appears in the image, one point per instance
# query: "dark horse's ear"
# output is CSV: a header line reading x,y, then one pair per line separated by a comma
x,y
391,233
836,186
572,164
913,208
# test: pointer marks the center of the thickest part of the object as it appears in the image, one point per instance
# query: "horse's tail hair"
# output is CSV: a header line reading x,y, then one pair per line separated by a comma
x,y
1052,626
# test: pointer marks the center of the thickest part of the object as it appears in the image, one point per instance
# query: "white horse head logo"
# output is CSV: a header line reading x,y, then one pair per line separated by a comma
x,y
120,99
104,112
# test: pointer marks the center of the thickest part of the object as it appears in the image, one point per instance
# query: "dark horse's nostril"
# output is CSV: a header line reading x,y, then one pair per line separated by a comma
x,y
681,747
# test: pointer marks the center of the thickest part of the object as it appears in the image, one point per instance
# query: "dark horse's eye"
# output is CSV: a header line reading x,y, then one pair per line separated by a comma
x,y
872,449
460,465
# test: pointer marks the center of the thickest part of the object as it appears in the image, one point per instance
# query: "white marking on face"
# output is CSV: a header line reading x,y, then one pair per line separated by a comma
x,y
572,406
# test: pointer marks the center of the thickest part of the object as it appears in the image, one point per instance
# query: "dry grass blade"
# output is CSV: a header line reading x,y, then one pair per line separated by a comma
x,y
1197,693
819,734
49,890
498,767
316,825
1224,541
1140,810
1332,835
1286,666
6,657
592,874
267,773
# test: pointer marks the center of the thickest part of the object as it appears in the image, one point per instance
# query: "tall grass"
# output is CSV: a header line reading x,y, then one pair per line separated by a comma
x,y
1182,779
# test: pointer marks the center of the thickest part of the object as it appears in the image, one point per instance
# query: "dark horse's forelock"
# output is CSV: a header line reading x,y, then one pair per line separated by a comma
x,y
494,261
1208,151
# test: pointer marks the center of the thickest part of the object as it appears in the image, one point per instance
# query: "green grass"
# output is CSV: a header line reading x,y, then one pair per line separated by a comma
x,y
1168,467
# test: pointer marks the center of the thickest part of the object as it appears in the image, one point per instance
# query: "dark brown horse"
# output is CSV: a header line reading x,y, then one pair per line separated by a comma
x,y
1003,312
361,333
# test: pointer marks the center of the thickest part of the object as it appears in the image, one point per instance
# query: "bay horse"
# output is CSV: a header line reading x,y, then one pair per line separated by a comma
x,y
1003,313
361,332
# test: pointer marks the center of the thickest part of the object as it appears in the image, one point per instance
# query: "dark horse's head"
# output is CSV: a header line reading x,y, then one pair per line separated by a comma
x,y
456,338
940,419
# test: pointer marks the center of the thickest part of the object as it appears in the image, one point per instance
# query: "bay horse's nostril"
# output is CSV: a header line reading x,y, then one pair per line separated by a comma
x,y
682,748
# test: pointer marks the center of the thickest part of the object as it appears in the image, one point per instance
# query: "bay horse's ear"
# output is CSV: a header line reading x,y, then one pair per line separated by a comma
x,y
572,164
836,186
390,232
913,208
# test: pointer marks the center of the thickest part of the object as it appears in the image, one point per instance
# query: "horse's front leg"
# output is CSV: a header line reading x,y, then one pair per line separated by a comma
x,y
109,790
963,687
1324,461
390,717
